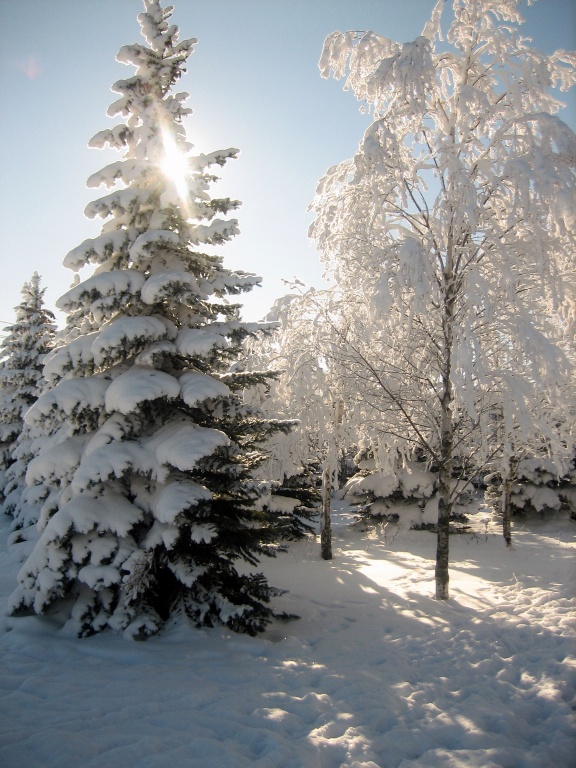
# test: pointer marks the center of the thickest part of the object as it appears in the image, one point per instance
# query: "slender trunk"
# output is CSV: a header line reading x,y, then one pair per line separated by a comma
x,y
444,500
506,524
505,503
329,471
446,432
325,522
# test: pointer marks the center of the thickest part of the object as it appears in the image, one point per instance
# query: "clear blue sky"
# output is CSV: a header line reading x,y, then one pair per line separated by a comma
x,y
253,83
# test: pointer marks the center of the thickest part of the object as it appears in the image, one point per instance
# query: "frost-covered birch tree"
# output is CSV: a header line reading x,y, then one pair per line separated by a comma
x,y
451,233
151,452
28,341
310,389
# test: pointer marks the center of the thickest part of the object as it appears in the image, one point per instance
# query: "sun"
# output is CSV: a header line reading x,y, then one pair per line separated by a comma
x,y
174,166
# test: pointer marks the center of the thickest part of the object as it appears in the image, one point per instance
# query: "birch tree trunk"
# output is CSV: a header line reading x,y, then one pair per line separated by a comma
x,y
444,501
447,433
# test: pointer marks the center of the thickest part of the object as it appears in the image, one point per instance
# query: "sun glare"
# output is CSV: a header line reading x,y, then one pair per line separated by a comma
x,y
174,166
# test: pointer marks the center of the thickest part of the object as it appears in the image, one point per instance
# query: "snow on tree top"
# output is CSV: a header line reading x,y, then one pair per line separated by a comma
x,y
154,25
55,463
117,283
125,170
109,512
282,504
102,247
234,282
192,342
142,58
219,157
113,339
119,201
70,396
160,534
196,387
139,385
114,460
169,501
155,351
117,427
116,137
214,233
179,445
169,284
141,251
74,356
182,446
407,71
98,576
203,533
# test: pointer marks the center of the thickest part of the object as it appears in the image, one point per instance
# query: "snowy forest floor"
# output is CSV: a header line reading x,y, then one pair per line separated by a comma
x,y
374,673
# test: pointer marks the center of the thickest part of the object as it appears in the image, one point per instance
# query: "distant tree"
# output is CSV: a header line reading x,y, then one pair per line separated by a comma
x,y
309,388
393,489
23,351
152,450
451,235
535,486
293,502
533,469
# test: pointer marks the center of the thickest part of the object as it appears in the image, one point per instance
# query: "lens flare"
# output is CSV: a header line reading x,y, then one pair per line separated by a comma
x,y
174,166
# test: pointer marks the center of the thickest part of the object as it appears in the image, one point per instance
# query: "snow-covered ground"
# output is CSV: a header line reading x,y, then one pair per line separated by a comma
x,y
375,672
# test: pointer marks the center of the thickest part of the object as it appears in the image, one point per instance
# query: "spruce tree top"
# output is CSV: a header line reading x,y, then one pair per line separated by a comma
x,y
22,354
160,212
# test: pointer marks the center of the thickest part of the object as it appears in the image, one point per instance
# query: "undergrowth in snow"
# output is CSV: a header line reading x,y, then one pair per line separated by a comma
x,y
374,674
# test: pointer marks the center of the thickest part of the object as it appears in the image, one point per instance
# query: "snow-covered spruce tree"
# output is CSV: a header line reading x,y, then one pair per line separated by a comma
x,y
152,450
536,487
532,463
451,232
393,488
534,472
294,501
23,351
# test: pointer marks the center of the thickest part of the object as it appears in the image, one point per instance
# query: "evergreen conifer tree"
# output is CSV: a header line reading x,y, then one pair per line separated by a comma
x,y
293,505
152,450
23,351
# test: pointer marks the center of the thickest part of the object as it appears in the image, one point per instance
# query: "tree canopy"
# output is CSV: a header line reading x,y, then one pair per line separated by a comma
x,y
450,235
